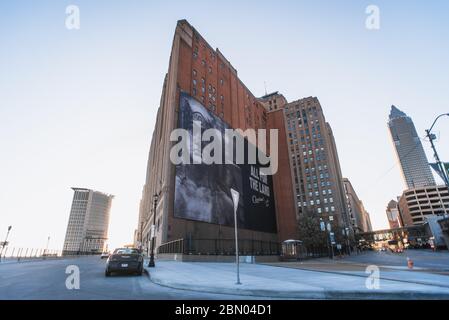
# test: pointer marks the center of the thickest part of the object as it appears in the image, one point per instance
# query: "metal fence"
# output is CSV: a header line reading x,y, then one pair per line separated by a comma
x,y
314,252
28,254
298,251
224,247
32,254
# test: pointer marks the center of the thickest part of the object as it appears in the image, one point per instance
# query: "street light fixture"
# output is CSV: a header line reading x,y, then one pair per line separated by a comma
x,y
432,137
5,243
151,263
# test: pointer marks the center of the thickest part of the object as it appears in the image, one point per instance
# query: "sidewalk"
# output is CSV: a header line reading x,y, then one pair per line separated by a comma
x,y
290,283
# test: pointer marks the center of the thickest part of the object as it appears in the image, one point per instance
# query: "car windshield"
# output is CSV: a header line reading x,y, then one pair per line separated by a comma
x,y
126,251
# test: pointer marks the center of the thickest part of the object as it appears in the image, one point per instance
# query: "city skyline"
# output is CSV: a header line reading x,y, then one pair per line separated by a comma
x,y
72,84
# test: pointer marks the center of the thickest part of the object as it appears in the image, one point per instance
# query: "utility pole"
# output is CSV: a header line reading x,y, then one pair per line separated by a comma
x,y
440,165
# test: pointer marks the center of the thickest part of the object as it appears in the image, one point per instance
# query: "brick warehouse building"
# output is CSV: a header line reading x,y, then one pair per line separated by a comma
x,y
199,72
201,78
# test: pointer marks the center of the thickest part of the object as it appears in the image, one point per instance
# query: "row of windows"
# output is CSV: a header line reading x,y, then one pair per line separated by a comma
x,y
319,209
316,200
315,178
324,192
212,100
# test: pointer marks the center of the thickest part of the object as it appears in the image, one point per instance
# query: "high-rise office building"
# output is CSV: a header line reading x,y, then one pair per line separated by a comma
x,y
87,229
393,215
191,204
409,150
358,216
318,181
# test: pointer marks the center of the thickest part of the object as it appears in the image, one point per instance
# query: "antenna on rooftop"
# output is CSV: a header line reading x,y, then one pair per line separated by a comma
x,y
265,85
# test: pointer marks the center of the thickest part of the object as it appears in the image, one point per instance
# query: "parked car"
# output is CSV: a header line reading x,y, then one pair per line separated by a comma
x,y
129,260
104,255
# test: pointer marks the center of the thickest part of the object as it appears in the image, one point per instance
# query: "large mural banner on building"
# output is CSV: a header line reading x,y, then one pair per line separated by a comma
x,y
202,191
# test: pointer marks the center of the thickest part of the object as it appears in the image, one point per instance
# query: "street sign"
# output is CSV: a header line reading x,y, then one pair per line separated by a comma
x,y
152,231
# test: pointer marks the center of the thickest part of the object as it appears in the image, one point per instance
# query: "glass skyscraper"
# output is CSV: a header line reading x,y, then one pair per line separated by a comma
x,y
409,150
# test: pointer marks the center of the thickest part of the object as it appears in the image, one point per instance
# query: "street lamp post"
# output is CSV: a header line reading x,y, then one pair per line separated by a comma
x,y
153,232
348,244
327,227
141,236
46,248
235,199
432,137
5,242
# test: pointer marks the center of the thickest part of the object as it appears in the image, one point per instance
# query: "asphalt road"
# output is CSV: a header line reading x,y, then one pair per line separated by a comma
x,y
42,280
421,258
